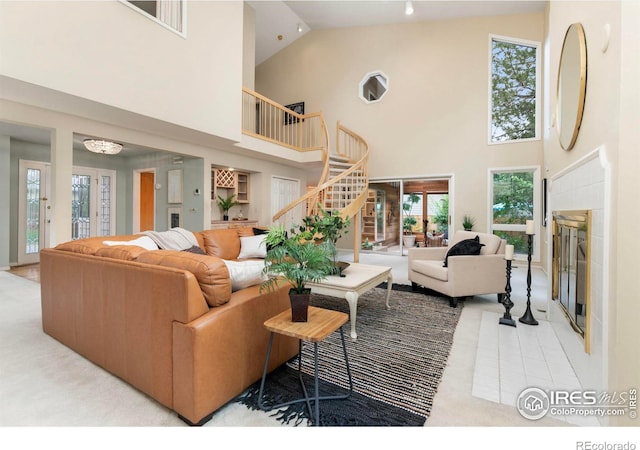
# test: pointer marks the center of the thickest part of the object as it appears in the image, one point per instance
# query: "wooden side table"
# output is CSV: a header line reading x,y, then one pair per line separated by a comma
x,y
320,324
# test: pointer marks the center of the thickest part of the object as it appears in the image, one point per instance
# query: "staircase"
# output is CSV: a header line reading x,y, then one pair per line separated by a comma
x,y
343,184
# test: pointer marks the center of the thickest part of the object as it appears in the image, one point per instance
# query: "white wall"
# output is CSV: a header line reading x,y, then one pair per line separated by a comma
x,y
610,122
108,52
433,119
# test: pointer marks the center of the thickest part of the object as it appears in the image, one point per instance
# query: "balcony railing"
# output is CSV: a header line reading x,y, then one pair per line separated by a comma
x,y
265,119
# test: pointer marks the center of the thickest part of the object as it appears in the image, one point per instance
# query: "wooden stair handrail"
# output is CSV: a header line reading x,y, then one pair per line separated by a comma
x,y
313,195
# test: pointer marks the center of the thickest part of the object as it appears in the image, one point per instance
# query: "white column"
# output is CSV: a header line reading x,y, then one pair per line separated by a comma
x,y
61,170
5,191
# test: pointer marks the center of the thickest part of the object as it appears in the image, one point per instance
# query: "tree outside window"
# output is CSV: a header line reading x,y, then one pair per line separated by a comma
x,y
513,206
514,80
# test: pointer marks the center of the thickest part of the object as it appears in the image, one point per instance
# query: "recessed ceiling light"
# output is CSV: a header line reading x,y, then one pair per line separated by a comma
x,y
408,8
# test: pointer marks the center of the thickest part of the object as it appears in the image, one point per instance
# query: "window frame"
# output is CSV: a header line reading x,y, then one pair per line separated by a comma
x,y
183,5
535,254
538,110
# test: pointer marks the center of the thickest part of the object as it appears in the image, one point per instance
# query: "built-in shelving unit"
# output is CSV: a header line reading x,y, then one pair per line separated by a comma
x,y
231,182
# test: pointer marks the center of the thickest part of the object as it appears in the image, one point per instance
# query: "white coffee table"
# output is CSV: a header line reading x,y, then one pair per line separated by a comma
x,y
358,279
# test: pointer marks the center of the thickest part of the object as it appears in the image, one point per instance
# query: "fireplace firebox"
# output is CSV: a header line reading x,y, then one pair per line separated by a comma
x,y
571,268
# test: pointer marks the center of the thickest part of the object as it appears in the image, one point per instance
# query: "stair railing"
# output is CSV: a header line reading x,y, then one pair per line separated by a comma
x,y
265,119
343,194
346,193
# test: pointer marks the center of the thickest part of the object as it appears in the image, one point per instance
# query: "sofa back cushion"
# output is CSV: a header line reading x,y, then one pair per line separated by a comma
x,y
211,272
224,243
125,252
89,246
491,242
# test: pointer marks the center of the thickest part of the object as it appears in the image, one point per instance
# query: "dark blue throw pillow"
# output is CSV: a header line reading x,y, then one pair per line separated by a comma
x,y
465,247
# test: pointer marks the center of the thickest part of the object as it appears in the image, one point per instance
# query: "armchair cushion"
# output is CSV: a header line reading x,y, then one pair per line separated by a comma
x,y
432,269
464,247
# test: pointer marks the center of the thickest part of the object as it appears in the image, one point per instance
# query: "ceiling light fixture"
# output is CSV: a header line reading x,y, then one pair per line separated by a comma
x,y
408,8
102,146
299,28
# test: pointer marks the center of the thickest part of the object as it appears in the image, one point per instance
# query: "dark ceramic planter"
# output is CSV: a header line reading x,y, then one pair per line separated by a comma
x,y
299,305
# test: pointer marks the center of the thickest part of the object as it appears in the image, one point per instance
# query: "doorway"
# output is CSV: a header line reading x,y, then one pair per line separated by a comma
x,y
144,200
33,210
283,192
92,207
389,214
92,202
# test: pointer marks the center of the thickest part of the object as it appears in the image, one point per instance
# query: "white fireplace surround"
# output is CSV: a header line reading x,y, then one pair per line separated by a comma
x,y
586,184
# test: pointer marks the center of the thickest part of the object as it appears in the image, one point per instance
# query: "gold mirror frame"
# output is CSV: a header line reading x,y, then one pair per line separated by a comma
x,y
572,85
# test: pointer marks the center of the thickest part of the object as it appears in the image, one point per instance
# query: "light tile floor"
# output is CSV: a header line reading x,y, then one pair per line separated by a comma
x,y
508,359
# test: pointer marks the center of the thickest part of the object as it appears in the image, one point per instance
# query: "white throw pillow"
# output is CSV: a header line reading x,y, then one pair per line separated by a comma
x,y
253,246
145,242
245,273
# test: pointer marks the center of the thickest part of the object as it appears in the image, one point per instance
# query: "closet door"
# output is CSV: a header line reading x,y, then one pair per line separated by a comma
x,y
283,192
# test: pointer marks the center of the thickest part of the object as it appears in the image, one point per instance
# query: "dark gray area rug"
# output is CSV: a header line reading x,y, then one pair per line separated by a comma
x,y
396,362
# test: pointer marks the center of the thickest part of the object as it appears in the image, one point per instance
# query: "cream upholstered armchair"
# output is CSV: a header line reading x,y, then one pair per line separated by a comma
x,y
465,275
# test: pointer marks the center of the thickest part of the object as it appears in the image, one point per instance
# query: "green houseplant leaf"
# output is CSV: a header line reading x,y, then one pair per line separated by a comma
x,y
226,204
297,257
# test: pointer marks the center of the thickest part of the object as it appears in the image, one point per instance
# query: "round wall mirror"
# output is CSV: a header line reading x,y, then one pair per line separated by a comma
x,y
373,87
572,85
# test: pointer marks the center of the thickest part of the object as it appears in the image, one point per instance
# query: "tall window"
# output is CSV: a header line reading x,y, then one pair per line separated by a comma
x,y
514,95
513,203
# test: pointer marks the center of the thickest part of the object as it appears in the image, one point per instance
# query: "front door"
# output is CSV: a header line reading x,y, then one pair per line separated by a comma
x,y
33,210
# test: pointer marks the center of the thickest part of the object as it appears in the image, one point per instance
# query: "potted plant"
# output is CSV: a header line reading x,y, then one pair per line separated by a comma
x,y
298,257
226,204
408,222
468,222
327,225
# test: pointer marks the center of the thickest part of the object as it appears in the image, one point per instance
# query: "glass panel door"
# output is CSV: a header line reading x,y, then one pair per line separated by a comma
x,y
380,215
80,206
33,211
92,202
105,227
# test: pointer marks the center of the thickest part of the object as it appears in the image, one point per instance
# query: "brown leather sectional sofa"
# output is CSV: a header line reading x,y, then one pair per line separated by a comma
x,y
165,321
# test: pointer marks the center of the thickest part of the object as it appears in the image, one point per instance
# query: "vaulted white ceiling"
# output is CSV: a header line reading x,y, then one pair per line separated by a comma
x,y
274,18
